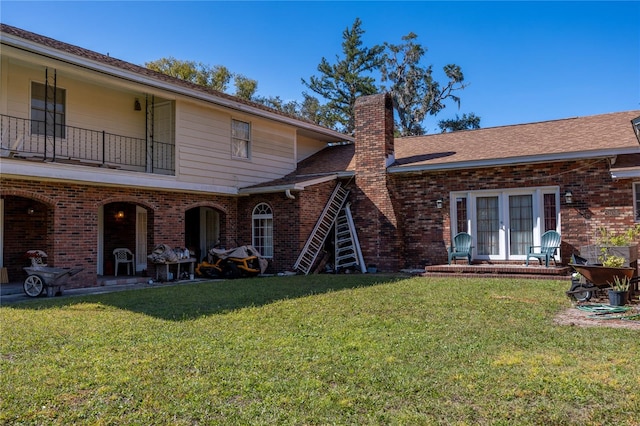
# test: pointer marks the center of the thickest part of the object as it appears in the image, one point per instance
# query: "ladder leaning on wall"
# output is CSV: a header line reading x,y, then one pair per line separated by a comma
x,y
334,213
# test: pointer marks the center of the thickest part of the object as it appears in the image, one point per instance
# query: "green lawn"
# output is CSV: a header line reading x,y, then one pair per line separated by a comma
x,y
317,350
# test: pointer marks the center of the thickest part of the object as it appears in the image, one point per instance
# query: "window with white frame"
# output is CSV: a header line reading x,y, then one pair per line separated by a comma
x,y
240,139
636,200
262,229
47,106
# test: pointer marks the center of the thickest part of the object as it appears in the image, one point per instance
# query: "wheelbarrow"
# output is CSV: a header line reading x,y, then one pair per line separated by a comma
x,y
47,279
594,277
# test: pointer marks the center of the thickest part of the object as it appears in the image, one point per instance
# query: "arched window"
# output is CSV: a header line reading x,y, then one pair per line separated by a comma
x,y
262,229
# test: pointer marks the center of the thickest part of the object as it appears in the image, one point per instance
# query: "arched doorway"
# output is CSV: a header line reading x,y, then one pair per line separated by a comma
x,y
124,225
25,224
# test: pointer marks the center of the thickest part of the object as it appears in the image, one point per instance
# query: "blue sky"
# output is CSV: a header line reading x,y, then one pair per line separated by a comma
x,y
523,61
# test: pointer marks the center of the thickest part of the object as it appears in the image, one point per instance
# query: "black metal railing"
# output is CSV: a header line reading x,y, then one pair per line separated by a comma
x,y
21,137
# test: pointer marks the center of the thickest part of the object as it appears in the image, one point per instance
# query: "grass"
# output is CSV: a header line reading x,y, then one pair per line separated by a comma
x,y
317,350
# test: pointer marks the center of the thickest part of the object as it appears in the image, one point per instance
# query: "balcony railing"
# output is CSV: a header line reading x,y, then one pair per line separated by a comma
x,y
23,138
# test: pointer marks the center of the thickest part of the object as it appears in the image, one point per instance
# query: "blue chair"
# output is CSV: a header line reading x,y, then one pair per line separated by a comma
x,y
549,243
461,247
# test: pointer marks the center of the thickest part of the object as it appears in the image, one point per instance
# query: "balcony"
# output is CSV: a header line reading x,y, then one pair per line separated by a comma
x,y
30,140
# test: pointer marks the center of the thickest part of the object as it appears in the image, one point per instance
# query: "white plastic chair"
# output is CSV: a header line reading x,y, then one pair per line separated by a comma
x,y
123,255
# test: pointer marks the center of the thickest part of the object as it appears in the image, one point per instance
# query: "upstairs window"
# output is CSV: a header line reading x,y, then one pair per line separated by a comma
x,y
240,139
262,229
47,101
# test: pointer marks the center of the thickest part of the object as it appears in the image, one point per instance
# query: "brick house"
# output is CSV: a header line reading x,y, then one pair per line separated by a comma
x,y
505,185
98,153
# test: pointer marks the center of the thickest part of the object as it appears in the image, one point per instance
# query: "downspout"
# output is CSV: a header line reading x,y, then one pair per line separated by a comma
x,y
289,194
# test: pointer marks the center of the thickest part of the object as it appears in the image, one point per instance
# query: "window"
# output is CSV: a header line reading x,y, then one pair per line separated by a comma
x,y
550,209
262,229
45,100
240,139
461,214
636,200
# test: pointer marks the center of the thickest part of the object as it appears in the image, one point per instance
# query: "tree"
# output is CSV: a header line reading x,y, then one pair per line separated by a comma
x,y
216,77
414,90
245,87
341,83
467,122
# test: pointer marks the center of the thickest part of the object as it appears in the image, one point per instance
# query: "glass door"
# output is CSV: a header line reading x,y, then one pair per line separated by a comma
x,y
488,226
520,224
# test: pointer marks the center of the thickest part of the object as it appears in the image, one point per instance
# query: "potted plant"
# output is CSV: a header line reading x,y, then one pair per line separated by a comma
x,y
613,245
619,292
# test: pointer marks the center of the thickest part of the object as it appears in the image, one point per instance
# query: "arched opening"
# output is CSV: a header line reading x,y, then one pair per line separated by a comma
x,y
202,230
25,224
125,226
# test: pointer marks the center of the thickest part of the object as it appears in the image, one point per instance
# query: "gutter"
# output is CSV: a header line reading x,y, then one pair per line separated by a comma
x,y
297,186
513,161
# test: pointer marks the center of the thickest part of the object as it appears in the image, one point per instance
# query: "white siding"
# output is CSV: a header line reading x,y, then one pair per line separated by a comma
x,y
203,140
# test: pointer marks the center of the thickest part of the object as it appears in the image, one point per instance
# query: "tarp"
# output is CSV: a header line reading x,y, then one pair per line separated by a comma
x,y
241,252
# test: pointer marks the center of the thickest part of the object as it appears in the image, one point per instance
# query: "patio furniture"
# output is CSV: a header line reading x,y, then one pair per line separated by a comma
x,y
124,256
461,247
549,243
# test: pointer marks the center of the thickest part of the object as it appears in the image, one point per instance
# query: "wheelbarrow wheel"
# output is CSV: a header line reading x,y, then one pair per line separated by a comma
x,y
580,296
33,286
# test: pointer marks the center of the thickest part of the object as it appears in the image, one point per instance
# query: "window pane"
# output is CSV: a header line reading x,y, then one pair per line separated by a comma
x,y
461,215
521,223
550,222
240,139
45,107
488,225
262,224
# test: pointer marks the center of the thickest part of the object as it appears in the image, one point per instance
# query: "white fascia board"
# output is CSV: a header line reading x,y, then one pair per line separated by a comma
x,y
514,161
104,177
298,186
158,84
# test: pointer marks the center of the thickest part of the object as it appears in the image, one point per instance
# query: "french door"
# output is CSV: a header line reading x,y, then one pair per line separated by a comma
x,y
504,224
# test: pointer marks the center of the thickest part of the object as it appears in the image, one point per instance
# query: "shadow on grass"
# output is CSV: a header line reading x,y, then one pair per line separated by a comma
x,y
184,302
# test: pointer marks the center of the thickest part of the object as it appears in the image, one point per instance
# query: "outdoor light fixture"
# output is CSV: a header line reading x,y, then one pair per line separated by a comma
x,y
30,210
120,215
439,204
137,106
568,197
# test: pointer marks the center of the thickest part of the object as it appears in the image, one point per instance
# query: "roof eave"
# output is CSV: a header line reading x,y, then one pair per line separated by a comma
x,y
98,66
297,186
514,161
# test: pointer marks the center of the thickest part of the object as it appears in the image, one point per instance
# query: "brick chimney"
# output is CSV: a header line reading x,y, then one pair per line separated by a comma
x,y
374,132
373,208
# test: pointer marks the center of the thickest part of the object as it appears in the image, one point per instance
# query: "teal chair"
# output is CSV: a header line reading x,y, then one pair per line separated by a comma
x,y
549,243
461,247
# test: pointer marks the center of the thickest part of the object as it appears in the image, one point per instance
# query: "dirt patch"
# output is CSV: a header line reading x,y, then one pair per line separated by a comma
x,y
579,318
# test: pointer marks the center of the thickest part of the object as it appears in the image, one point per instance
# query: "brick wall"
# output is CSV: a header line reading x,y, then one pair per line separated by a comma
x,y
65,222
374,209
293,221
598,201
